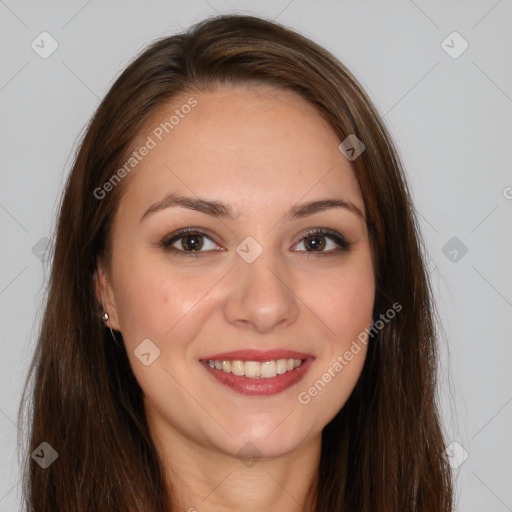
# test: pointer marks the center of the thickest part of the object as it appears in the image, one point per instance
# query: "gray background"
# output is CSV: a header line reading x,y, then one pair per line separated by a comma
x,y
450,117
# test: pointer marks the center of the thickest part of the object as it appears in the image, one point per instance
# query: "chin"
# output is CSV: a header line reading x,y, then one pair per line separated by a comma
x,y
264,439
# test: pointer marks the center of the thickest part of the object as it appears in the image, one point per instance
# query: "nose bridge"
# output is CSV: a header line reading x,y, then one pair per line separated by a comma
x,y
260,295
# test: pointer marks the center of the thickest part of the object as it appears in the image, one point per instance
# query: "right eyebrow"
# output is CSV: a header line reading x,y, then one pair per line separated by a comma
x,y
213,208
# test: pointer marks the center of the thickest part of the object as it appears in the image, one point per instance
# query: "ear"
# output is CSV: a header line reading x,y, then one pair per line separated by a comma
x,y
105,295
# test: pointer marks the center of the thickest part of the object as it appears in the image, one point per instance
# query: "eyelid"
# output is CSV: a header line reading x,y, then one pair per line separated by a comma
x,y
167,242
337,237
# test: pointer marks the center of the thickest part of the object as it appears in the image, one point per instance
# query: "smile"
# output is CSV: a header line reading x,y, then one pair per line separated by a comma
x,y
255,369
257,373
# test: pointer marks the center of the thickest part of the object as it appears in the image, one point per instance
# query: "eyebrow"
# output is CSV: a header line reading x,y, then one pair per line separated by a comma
x,y
223,210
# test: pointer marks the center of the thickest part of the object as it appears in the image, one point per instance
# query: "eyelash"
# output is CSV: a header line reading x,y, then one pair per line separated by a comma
x,y
323,232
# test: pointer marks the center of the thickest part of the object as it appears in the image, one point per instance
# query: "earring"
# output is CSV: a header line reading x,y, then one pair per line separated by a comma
x,y
104,319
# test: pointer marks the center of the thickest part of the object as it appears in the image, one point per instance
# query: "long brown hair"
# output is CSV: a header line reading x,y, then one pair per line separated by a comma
x,y
383,450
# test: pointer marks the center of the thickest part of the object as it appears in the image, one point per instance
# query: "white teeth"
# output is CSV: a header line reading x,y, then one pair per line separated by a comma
x,y
255,369
237,367
281,366
268,369
252,369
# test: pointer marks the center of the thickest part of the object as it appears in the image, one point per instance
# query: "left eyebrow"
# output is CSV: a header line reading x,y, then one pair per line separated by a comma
x,y
304,209
223,210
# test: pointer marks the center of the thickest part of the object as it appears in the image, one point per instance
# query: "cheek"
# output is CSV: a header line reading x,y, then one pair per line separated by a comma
x,y
344,299
159,303
152,299
345,305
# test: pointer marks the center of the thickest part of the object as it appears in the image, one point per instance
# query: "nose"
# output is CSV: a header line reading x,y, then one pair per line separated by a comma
x,y
261,295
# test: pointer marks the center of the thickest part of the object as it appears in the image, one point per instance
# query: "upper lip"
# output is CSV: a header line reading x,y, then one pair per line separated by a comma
x,y
257,355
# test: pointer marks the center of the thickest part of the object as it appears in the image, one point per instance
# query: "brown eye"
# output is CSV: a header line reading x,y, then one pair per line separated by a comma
x,y
314,242
188,242
192,242
323,241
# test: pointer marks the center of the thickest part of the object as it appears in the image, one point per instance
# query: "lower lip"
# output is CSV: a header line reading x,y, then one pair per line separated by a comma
x,y
259,387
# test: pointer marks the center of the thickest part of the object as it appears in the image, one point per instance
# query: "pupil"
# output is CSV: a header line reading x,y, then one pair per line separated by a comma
x,y
315,242
193,242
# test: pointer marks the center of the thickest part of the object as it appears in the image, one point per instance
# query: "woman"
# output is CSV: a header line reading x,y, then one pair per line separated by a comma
x,y
238,315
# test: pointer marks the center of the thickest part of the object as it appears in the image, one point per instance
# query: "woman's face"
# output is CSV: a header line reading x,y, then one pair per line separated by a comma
x,y
246,163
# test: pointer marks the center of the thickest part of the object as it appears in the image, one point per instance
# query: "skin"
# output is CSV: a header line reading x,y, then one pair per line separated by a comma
x,y
261,150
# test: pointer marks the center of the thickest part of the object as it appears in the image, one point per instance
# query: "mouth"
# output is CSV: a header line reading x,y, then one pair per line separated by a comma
x,y
257,373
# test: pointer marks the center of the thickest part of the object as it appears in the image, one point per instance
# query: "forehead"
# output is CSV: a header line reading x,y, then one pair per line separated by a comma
x,y
252,146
